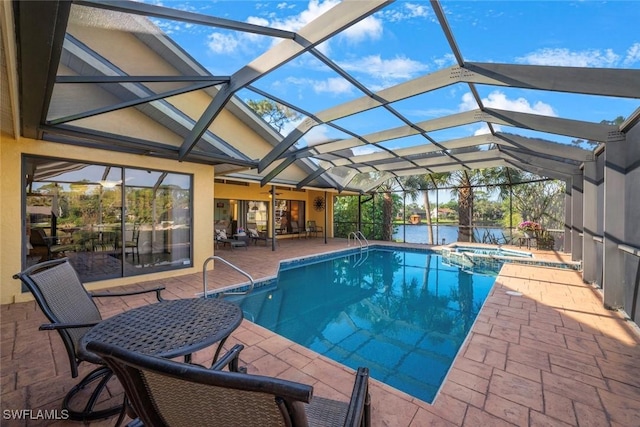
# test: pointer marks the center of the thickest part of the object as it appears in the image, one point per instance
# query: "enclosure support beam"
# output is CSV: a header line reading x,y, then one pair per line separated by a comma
x,y
567,215
590,223
576,217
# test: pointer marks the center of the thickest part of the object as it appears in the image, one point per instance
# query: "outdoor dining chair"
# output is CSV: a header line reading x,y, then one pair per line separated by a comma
x,y
294,228
314,228
165,392
63,299
133,246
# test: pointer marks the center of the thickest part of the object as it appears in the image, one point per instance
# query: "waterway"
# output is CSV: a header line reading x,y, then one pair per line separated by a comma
x,y
418,233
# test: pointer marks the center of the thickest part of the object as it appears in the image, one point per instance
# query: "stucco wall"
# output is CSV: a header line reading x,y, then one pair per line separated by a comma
x,y
255,192
11,228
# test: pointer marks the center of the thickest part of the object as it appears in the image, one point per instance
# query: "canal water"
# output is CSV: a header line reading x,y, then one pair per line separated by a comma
x,y
418,233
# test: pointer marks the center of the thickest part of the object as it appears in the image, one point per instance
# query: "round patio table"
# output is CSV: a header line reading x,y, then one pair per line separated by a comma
x,y
169,328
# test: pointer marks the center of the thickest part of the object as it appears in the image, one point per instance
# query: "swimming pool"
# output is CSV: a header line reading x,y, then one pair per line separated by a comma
x,y
402,313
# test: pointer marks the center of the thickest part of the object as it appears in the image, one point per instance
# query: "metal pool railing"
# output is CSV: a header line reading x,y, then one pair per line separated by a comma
x,y
224,294
359,237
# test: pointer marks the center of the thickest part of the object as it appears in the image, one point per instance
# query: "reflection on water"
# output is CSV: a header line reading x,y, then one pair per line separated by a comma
x,y
418,233
402,314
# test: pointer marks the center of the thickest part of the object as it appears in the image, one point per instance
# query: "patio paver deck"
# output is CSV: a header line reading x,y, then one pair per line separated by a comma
x,y
552,356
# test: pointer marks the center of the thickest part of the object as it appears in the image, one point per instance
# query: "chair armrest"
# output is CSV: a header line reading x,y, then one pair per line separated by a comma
x,y
359,411
230,359
56,326
157,290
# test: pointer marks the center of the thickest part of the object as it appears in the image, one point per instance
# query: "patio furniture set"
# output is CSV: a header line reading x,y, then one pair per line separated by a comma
x,y
47,247
138,345
252,235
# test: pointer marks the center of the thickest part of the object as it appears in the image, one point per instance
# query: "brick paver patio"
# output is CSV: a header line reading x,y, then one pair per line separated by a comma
x,y
543,352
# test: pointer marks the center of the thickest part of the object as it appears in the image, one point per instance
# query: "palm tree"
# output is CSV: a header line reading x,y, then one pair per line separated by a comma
x,y
464,181
421,184
464,190
413,185
387,188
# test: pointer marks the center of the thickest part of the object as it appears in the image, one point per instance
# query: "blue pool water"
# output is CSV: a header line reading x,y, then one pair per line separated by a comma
x,y
402,314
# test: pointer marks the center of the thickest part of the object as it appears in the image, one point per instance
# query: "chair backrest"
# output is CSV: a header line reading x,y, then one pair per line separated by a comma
x,y
164,392
294,227
136,233
311,225
109,239
57,289
37,237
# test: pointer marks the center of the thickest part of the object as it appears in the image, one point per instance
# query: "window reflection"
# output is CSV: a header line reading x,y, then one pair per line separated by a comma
x,y
289,216
231,214
76,210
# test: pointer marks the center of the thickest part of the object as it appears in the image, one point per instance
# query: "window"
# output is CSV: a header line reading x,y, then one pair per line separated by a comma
x,y
289,216
109,221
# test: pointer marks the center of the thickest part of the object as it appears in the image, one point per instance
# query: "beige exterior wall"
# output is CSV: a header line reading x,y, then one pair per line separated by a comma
x,y
11,228
255,192
319,216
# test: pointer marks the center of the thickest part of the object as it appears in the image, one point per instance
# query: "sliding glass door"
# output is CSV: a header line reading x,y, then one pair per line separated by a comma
x,y
110,221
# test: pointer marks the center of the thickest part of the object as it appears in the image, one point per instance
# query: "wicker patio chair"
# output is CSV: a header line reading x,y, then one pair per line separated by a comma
x,y
71,310
164,392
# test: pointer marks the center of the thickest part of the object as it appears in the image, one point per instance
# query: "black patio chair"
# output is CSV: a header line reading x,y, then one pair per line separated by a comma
x,y
72,311
133,246
294,228
164,392
314,228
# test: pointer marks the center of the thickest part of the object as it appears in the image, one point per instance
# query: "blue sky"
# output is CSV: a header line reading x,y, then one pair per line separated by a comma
x,y
404,41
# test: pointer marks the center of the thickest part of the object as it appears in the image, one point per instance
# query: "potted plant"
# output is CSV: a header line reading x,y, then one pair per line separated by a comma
x,y
530,228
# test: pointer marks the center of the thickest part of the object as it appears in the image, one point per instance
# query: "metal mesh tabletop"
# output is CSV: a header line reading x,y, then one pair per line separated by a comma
x,y
168,328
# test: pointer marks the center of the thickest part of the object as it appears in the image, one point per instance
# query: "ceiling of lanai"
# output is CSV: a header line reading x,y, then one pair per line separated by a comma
x,y
446,98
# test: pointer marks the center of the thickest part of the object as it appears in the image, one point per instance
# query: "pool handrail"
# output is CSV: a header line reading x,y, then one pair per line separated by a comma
x,y
223,294
356,236
362,259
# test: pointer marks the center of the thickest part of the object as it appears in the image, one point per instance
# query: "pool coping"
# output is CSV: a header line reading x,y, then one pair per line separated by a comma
x,y
313,258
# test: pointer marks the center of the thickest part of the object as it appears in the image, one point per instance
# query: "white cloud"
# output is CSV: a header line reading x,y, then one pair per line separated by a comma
x,y
406,11
368,28
314,9
446,60
222,43
483,129
566,58
257,21
316,135
285,5
633,55
398,68
468,102
499,100
333,85
362,150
